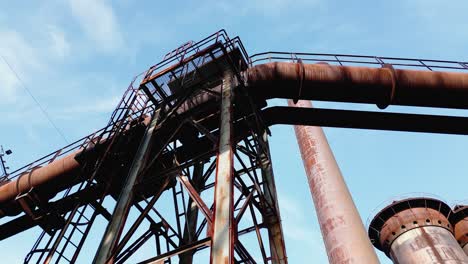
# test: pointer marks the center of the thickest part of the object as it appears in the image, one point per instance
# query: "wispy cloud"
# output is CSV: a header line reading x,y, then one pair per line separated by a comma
x,y
8,83
98,21
59,44
16,53
299,229
276,7
82,109
438,15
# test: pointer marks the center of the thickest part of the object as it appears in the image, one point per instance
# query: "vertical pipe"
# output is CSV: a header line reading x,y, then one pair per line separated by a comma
x,y
119,216
222,239
342,229
273,219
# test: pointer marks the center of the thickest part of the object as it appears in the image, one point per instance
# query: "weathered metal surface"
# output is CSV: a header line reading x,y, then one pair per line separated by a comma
x,y
342,229
416,231
381,86
190,228
222,238
273,219
460,222
59,168
365,120
428,244
119,215
196,198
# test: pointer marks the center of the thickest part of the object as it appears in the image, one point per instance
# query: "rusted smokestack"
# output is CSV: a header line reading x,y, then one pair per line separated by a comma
x,y
344,235
415,231
459,220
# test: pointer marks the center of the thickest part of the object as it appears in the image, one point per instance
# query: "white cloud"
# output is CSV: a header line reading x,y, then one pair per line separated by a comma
x,y
100,106
275,7
231,9
21,57
59,44
299,230
8,83
98,21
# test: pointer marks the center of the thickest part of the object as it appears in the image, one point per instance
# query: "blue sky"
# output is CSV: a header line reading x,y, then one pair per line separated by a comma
x,y
77,57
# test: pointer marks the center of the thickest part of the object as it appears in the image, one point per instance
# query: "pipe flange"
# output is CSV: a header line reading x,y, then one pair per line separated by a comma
x,y
390,94
300,71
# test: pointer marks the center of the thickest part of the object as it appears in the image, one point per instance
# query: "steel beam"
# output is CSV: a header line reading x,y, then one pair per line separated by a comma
x,y
119,216
191,220
342,229
273,219
193,193
222,247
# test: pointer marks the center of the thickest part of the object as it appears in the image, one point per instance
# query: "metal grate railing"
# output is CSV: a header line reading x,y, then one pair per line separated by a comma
x,y
358,60
137,104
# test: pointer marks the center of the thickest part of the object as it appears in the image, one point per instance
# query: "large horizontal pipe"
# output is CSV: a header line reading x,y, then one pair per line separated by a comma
x,y
456,125
59,168
381,86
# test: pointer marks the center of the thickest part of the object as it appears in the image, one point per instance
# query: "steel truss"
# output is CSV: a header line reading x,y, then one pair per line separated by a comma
x,y
188,174
176,170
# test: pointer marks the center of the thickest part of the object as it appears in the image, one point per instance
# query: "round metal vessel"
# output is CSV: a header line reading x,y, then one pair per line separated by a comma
x,y
416,231
459,220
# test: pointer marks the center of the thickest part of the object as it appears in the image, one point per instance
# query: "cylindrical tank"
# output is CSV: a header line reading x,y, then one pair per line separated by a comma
x,y
459,220
416,231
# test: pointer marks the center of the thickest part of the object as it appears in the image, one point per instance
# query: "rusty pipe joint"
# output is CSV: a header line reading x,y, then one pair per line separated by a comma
x,y
389,94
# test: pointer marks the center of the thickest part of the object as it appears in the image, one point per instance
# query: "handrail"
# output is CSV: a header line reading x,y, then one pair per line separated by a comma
x,y
353,60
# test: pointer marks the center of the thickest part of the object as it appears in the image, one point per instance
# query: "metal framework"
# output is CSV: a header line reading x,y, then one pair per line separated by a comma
x,y
178,161
195,174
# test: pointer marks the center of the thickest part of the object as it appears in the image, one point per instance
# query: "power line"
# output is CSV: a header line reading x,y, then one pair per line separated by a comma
x,y
35,100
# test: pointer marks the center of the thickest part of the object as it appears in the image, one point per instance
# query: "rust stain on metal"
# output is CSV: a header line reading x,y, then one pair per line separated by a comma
x,y
58,168
381,86
222,238
416,231
342,229
460,222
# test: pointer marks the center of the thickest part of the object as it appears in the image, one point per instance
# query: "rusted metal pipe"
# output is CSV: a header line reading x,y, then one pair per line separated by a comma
x,y
63,167
381,86
342,229
416,230
457,125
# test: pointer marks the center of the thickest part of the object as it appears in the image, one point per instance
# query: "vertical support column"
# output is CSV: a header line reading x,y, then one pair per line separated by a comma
x,y
192,215
273,219
342,229
222,247
122,208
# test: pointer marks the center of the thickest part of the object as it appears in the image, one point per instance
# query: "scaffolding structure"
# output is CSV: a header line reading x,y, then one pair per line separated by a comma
x,y
186,152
